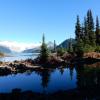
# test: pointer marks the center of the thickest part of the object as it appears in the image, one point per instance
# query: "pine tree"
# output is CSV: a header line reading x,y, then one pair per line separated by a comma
x,y
82,33
97,32
70,46
78,29
86,36
44,54
54,46
90,25
78,47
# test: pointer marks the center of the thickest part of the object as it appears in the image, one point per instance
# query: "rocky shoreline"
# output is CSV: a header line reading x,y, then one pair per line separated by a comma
x,y
54,61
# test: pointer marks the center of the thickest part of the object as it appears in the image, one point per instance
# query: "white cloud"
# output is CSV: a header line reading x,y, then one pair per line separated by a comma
x,y
19,46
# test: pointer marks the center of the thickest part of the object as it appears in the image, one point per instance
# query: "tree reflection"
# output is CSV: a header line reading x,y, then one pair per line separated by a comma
x,y
71,71
45,77
88,81
61,70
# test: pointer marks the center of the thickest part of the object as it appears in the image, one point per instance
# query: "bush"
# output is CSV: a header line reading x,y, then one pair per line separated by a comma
x,y
88,48
60,51
97,49
79,49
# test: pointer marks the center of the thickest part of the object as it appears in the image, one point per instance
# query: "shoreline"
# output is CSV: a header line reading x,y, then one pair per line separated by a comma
x,y
30,65
53,62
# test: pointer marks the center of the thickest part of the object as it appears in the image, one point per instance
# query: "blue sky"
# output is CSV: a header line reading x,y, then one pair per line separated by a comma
x,y
26,20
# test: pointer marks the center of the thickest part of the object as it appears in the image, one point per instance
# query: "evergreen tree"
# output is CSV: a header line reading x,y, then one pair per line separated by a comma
x,y
78,29
90,21
54,46
70,46
97,32
90,25
44,54
82,33
78,47
86,36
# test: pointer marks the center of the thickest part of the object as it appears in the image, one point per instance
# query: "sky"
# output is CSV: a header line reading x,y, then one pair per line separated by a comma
x,y
25,21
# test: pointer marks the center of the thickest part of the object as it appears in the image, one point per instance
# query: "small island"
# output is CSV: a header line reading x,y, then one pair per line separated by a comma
x,y
85,49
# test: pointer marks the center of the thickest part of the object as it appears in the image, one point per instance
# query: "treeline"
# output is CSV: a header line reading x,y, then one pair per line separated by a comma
x,y
87,34
87,39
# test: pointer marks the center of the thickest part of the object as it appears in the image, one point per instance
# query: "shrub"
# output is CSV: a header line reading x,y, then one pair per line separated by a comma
x,y
79,49
88,48
60,51
97,49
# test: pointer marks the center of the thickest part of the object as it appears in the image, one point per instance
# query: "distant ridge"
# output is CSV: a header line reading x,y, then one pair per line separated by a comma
x,y
50,45
65,43
33,50
4,49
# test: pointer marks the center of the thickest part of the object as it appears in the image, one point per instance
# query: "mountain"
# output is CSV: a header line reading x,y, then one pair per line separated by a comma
x,y
33,50
50,45
5,49
65,43
16,46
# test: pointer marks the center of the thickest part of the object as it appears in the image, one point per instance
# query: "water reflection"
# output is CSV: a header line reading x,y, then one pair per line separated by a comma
x,y
80,82
39,81
88,77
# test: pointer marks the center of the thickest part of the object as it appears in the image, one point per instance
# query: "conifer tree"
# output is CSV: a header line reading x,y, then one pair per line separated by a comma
x,y
82,33
54,46
44,54
78,47
97,32
70,46
86,36
78,29
90,25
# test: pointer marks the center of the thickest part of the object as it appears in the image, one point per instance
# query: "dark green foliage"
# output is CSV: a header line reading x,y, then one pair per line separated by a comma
x,y
90,22
70,46
78,29
90,26
88,48
78,48
54,46
97,49
97,31
60,51
87,36
44,53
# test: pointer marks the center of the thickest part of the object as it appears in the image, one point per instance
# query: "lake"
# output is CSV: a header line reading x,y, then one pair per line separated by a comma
x,y
81,81
48,81
18,56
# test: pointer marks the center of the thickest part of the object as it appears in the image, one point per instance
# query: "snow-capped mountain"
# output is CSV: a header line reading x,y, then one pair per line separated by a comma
x,y
50,45
18,46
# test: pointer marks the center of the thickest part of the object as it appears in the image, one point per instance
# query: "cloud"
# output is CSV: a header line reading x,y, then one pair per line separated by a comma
x,y
18,46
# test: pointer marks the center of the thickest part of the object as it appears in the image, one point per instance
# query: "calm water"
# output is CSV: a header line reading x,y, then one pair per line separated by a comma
x,y
48,81
81,80
53,80
19,56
